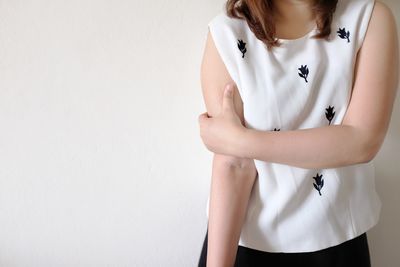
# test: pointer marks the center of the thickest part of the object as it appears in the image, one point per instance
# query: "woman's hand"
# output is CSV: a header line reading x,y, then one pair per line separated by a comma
x,y
221,133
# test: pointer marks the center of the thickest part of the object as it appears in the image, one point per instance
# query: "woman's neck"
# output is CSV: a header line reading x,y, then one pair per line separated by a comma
x,y
289,11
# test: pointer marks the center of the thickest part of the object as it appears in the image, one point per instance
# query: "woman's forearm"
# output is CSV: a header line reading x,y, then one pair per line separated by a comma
x,y
314,148
230,191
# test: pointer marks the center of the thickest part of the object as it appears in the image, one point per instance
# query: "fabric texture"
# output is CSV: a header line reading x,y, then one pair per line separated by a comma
x,y
306,83
354,252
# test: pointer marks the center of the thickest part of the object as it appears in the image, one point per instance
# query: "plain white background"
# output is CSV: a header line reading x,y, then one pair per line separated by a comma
x,y
101,163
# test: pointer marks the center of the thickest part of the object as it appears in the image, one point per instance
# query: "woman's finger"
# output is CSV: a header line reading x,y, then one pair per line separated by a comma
x,y
202,116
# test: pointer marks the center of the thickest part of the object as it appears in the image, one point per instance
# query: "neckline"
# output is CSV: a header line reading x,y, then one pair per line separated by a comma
x,y
304,37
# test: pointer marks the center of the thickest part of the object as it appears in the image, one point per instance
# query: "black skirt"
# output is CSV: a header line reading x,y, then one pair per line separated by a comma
x,y
354,252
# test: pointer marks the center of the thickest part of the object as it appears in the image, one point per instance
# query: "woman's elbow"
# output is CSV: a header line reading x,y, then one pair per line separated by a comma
x,y
371,149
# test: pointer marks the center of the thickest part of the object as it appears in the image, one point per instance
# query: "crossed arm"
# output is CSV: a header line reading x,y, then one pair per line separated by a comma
x,y
363,129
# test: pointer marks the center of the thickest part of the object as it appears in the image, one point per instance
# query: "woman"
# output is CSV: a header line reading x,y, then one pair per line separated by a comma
x,y
314,84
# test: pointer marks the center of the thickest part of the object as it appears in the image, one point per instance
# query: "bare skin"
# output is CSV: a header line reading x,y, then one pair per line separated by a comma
x,y
293,18
232,177
374,91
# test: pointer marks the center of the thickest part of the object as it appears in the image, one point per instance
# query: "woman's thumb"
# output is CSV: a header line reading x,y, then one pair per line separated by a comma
x,y
227,102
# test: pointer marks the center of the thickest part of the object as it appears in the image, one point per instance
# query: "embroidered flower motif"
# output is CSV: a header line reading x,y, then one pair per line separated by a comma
x,y
330,113
242,47
319,183
343,34
303,72
276,129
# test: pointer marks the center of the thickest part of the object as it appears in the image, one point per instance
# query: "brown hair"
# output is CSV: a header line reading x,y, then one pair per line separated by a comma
x,y
258,14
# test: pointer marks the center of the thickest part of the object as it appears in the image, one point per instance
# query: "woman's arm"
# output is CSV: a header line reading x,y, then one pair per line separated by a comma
x,y
230,192
366,121
232,177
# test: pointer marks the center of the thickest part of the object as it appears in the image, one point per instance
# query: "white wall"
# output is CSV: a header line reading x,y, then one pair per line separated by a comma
x,y
101,163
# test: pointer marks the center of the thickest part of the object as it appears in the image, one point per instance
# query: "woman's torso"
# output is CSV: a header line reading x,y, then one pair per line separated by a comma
x,y
306,83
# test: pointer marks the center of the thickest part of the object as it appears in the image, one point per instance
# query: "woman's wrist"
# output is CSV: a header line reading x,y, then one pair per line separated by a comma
x,y
241,145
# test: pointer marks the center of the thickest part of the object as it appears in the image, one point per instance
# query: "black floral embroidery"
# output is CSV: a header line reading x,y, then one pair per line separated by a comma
x,y
242,47
343,34
303,72
330,113
276,129
319,183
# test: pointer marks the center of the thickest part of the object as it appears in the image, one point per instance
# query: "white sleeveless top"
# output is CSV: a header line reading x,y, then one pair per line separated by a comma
x,y
306,83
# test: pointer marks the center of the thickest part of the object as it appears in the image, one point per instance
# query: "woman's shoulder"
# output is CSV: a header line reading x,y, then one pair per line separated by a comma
x,y
223,21
382,11
382,23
